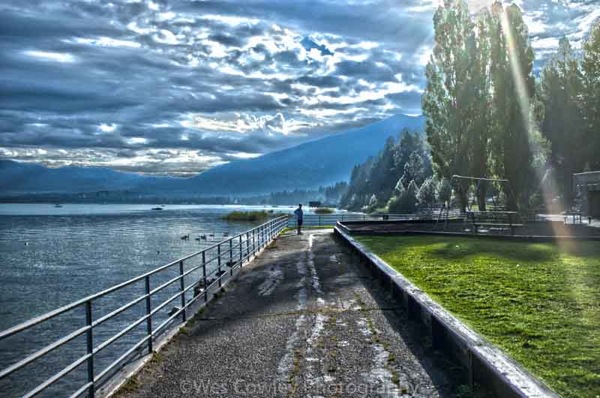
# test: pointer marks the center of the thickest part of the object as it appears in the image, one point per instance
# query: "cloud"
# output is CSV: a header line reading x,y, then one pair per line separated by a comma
x,y
158,86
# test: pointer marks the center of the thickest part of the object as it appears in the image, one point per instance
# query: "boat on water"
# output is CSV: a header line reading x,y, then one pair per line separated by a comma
x,y
157,208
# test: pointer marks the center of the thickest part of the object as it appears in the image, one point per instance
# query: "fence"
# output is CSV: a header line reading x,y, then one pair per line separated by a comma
x,y
182,282
325,220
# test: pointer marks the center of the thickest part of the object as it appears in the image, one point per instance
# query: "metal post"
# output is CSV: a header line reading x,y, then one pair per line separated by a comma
x,y
231,256
181,291
248,241
219,263
90,347
148,311
241,257
204,276
253,239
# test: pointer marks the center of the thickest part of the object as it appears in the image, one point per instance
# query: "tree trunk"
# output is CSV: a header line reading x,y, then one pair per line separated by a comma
x,y
481,191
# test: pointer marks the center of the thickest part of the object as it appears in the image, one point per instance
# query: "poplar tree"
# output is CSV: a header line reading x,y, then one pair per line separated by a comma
x,y
562,123
591,98
512,83
446,77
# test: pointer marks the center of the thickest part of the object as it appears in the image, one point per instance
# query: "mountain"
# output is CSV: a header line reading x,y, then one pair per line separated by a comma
x,y
19,178
309,165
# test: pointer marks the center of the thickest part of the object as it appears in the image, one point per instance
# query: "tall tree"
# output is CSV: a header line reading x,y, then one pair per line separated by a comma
x,y
591,97
478,101
455,98
512,82
562,123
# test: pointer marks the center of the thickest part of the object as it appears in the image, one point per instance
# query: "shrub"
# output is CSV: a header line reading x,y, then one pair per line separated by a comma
x,y
246,215
323,210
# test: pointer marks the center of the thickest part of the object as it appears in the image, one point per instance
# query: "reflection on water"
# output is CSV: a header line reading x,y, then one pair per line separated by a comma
x,y
52,256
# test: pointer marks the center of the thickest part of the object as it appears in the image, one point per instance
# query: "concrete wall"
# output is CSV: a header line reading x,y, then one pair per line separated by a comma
x,y
487,366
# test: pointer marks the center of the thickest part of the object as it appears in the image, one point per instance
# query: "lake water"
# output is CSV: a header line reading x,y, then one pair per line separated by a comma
x,y
51,256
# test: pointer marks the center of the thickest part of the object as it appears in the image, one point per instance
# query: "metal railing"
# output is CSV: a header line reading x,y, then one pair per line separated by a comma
x,y
203,271
324,220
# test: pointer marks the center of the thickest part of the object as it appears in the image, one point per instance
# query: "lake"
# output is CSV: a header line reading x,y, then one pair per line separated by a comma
x,y
51,256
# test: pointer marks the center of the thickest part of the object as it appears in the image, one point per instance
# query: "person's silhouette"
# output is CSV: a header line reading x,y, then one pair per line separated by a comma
x,y
299,218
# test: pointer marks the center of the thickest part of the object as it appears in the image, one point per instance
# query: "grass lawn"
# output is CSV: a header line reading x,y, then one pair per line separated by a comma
x,y
540,302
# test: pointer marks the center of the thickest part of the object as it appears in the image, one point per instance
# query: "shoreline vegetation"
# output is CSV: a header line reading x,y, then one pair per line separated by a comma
x,y
324,210
258,215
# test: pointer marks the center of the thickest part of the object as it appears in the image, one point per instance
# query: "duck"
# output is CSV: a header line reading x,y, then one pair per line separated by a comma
x,y
185,237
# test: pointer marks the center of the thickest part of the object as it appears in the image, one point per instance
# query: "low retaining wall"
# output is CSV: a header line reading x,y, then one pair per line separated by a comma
x,y
487,365
545,231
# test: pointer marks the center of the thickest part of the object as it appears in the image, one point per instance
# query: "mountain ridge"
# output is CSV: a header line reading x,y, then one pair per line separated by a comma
x,y
309,165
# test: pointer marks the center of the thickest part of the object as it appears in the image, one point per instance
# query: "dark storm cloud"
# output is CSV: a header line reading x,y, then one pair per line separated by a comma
x,y
132,84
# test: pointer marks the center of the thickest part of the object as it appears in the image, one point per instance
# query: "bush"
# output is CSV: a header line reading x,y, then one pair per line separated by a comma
x,y
323,210
246,215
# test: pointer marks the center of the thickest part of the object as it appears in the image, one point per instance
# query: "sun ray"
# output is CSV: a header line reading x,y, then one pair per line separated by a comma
x,y
526,114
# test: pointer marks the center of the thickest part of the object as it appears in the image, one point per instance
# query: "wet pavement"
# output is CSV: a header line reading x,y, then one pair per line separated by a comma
x,y
304,319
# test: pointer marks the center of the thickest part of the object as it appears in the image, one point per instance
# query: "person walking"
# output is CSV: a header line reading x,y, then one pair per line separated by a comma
x,y
299,218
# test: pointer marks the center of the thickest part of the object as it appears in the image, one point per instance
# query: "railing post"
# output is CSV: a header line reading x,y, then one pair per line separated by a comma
x,y
241,257
90,347
204,276
248,242
148,311
231,256
182,291
219,263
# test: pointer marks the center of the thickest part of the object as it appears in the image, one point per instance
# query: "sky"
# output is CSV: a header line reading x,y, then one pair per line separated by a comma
x,y
175,87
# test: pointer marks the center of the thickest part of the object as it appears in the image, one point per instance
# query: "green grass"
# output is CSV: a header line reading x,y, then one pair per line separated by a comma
x,y
247,215
540,302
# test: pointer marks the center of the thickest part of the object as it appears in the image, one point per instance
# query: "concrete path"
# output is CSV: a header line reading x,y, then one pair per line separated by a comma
x,y
303,319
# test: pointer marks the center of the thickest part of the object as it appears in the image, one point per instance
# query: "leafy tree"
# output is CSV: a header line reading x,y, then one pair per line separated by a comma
x,y
562,123
443,191
404,200
590,66
379,177
456,98
426,193
414,169
513,87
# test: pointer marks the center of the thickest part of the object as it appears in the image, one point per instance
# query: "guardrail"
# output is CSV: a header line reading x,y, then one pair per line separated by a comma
x,y
324,220
200,271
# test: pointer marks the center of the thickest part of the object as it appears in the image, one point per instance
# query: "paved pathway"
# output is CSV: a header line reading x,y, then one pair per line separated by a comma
x,y
303,319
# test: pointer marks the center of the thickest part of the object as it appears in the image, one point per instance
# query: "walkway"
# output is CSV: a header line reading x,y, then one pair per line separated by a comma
x,y
303,319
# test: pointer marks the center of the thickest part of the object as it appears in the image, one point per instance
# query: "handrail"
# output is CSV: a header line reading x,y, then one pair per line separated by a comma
x,y
230,254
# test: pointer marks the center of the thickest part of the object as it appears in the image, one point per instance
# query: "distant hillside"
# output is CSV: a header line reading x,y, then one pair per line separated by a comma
x,y
16,177
309,165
